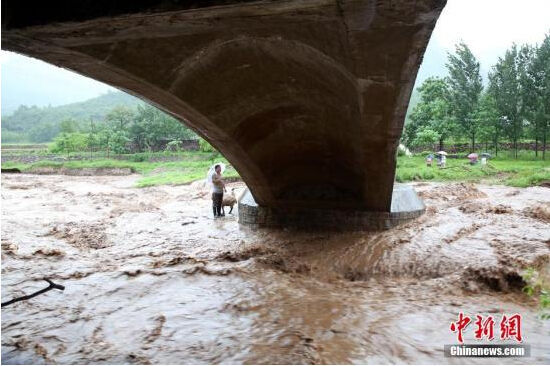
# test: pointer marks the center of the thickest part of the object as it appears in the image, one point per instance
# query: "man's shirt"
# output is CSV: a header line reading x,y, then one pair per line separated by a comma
x,y
217,183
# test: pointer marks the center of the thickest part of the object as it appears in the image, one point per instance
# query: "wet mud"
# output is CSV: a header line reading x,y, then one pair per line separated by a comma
x,y
150,277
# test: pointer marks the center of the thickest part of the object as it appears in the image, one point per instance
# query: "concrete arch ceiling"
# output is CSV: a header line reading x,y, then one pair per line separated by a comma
x,y
305,98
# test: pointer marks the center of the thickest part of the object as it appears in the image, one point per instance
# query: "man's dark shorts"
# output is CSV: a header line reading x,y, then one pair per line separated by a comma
x,y
217,199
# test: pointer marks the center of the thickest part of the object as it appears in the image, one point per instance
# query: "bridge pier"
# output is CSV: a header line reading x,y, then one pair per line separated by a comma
x,y
405,206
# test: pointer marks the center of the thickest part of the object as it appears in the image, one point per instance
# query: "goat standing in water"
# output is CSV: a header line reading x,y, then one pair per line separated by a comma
x,y
229,200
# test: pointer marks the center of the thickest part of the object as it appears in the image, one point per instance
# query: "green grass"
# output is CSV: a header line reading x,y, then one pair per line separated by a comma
x,y
517,173
188,167
185,167
175,177
79,164
23,146
180,172
522,155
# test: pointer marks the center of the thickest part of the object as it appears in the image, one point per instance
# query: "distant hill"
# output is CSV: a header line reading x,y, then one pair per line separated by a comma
x,y
41,124
415,98
433,62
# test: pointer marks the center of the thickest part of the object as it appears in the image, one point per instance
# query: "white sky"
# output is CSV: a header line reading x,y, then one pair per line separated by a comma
x,y
488,26
33,82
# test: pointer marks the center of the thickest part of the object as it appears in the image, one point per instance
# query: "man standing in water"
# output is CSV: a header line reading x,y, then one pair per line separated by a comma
x,y
218,187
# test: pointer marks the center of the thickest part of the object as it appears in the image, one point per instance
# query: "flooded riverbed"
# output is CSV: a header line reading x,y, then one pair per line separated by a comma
x,y
150,277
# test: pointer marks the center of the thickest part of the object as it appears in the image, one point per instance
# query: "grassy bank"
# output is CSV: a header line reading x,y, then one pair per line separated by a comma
x,y
503,170
185,167
189,167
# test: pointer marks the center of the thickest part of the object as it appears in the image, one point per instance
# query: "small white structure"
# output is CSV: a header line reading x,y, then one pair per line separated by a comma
x,y
405,150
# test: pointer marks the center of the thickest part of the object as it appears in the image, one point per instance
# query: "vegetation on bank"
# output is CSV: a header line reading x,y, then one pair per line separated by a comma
x,y
184,167
513,106
538,286
118,131
155,168
522,172
32,124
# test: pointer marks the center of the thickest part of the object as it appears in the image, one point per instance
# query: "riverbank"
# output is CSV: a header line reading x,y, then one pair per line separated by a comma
x,y
176,168
522,172
154,168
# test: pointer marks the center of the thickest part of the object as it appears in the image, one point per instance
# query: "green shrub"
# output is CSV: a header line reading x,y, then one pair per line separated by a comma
x,y
426,137
537,285
137,158
69,142
118,142
204,146
173,146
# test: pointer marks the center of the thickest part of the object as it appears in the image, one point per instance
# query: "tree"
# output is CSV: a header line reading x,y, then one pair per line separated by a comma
x,y
431,113
442,122
103,136
118,142
115,133
119,118
152,129
465,86
92,138
69,142
505,86
528,99
43,132
68,126
488,120
539,73
425,137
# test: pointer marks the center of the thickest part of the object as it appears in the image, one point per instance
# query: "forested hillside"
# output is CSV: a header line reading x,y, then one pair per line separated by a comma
x,y
42,124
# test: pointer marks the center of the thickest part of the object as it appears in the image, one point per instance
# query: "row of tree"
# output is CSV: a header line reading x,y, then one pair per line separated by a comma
x,y
33,124
515,104
124,130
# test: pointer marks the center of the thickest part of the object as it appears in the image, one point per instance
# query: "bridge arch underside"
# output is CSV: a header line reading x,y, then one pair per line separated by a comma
x,y
305,98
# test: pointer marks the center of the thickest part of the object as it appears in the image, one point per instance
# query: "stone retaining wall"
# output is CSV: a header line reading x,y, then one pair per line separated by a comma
x,y
406,206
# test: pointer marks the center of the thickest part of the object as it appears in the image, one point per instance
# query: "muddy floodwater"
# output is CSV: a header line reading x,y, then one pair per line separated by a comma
x,y
150,277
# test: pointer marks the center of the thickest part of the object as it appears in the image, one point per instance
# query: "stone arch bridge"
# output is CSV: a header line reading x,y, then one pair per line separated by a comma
x,y
306,98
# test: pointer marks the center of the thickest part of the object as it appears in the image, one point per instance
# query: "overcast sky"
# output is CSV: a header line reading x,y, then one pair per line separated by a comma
x,y
488,26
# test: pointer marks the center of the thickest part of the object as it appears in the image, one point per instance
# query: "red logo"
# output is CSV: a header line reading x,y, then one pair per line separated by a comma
x,y
510,327
460,325
485,328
